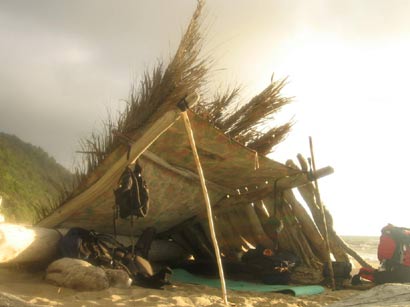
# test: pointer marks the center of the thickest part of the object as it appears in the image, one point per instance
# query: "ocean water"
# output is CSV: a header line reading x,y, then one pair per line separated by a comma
x,y
365,246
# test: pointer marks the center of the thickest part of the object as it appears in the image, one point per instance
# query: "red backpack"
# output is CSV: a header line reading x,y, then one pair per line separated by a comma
x,y
394,247
393,253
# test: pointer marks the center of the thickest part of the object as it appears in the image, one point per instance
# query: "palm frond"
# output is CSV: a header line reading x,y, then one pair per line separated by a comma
x,y
264,143
214,111
257,111
244,123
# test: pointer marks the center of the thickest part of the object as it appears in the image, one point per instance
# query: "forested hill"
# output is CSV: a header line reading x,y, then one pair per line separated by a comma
x,y
30,180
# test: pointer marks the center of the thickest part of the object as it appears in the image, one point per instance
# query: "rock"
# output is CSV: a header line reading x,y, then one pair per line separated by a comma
x,y
77,274
81,275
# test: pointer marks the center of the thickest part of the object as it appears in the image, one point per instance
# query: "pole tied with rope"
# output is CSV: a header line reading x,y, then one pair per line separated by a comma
x,y
183,106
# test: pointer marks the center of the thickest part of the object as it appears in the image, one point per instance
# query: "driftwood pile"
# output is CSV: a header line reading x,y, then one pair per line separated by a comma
x,y
277,222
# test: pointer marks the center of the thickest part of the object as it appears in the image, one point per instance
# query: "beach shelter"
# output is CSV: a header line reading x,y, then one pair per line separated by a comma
x,y
245,188
235,176
152,132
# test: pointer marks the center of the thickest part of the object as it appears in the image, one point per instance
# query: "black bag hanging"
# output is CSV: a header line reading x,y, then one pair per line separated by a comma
x,y
131,196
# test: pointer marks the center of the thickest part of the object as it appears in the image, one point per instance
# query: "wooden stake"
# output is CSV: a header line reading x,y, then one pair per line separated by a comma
x,y
319,201
207,202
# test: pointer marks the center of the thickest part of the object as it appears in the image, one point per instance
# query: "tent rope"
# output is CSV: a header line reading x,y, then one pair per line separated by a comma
x,y
207,201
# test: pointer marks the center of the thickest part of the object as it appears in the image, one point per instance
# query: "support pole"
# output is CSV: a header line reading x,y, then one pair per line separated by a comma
x,y
322,210
207,202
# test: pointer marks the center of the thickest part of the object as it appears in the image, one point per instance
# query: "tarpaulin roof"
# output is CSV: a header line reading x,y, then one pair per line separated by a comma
x,y
174,189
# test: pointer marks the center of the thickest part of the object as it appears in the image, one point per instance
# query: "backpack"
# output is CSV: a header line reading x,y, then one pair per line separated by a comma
x,y
393,252
105,251
131,195
86,245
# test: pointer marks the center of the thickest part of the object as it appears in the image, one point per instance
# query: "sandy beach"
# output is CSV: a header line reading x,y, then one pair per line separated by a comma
x,y
20,288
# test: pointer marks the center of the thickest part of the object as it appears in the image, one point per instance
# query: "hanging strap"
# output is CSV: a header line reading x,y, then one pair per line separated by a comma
x,y
114,219
132,237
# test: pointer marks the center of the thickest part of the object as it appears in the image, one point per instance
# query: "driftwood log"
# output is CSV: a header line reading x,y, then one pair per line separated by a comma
x,y
24,244
309,228
295,234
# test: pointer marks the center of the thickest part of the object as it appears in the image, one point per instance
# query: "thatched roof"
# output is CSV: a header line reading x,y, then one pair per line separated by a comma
x,y
175,193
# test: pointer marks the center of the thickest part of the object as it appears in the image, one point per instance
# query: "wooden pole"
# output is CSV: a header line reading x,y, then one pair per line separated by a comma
x,y
207,202
332,276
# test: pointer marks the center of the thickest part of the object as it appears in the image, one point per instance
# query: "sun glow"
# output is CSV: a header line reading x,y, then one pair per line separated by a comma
x,y
14,240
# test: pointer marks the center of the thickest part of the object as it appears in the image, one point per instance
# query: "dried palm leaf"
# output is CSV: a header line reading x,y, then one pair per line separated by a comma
x,y
264,142
214,110
244,123
258,110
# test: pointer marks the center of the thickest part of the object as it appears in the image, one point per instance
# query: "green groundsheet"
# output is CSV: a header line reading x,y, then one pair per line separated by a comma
x,y
183,276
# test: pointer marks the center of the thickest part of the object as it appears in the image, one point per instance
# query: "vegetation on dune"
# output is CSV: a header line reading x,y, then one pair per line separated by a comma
x,y
31,182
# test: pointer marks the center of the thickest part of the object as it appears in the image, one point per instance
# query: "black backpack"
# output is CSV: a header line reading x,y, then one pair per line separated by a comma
x,y
105,251
90,246
131,195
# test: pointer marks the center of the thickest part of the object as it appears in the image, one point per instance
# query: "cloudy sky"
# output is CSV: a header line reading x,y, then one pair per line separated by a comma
x,y
64,64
